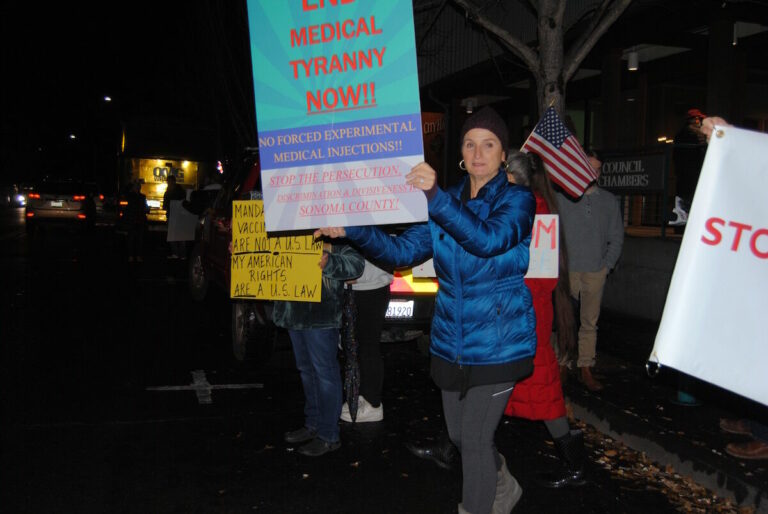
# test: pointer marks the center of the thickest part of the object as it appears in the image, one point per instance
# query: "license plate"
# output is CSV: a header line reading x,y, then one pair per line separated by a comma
x,y
57,203
400,309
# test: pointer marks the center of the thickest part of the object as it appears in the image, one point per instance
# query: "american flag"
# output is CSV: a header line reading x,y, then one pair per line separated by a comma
x,y
563,157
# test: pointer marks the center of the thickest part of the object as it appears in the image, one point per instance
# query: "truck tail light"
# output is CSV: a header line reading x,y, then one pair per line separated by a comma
x,y
78,198
36,196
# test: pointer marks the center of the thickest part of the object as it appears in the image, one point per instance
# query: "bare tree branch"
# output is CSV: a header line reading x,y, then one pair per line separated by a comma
x,y
530,6
608,12
594,19
418,9
432,22
514,44
593,14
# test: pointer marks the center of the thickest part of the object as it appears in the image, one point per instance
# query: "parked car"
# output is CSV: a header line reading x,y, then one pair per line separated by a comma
x,y
253,333
411,306
408,317
60,202
12,196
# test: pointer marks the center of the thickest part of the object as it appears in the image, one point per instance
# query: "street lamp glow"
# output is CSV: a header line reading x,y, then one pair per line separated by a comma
x,y
107,98
72,136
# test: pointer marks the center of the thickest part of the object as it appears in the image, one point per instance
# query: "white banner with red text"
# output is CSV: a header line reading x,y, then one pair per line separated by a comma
x,y
714,321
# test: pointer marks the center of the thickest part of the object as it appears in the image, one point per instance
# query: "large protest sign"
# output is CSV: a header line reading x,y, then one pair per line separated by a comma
x,y
271,268
544,249
338,111
713,326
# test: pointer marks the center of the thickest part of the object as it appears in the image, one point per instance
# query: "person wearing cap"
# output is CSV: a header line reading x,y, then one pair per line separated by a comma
x,y
688,157
483,335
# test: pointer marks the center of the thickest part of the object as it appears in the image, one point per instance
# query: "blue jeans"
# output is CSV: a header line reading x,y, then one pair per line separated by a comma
x,y
315,352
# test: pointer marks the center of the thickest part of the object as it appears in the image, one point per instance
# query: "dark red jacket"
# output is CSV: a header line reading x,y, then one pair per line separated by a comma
x,y
540,396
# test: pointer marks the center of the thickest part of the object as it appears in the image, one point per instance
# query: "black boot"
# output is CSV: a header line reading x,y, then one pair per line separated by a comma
x,y
442,452
571,448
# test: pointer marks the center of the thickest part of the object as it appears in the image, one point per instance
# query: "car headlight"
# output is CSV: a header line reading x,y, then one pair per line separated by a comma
x,y
21,200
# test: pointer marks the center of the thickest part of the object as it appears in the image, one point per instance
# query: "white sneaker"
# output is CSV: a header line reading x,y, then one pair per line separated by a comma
x,y
366,412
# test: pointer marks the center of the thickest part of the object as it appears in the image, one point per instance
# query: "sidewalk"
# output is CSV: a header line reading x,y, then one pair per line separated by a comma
x,y
636,410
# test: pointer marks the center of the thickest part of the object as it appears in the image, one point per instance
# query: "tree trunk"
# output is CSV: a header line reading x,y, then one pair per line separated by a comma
x,y
550,85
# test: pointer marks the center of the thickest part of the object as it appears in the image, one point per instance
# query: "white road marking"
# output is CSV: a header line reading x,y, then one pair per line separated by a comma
x,y
203,388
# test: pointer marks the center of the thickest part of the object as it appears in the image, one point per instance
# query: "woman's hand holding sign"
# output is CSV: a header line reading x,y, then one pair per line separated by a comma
x,y
422,176
332,232
708,125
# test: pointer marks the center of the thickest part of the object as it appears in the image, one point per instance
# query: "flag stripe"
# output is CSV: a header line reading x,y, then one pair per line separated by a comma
x,y
560,176
574,146
576,162
564,163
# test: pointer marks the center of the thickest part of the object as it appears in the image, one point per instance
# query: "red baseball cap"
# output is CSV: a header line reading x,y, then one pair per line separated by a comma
x,y
696,113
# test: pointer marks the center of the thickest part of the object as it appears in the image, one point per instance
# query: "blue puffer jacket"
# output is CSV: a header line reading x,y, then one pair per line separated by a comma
x,y
483,312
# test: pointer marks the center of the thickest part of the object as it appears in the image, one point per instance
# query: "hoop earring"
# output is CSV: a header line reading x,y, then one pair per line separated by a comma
x,y
461,165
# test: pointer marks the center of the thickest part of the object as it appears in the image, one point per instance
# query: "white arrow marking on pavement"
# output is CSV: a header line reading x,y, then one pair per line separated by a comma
x,y
203,388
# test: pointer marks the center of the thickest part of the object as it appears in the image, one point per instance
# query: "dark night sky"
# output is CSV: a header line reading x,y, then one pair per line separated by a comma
x,y
59,59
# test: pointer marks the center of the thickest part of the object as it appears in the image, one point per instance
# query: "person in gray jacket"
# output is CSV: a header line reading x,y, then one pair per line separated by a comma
x,y
594,234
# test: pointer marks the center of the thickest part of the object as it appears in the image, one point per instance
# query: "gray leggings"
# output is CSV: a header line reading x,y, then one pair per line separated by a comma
x,y
472,423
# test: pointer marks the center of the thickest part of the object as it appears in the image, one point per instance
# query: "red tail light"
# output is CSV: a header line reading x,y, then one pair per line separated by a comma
x,y
78,198
36,196
123,203
81,216
30,214
101,197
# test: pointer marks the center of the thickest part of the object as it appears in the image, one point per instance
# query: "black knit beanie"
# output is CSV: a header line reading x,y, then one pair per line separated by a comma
x,y
488,119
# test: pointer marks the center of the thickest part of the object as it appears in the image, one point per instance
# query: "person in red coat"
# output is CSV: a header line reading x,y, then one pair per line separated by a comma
x,y
540,396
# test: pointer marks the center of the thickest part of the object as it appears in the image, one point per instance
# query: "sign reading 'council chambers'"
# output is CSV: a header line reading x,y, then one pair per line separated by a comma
x,y
633,172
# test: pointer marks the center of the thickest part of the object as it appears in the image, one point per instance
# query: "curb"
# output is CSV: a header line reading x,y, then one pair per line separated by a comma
x,y
707,467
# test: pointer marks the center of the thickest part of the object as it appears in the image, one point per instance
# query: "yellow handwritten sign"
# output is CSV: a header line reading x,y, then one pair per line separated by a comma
x,y
271,268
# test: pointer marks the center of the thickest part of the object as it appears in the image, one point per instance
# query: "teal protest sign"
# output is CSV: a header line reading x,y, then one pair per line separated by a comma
x,y
338,111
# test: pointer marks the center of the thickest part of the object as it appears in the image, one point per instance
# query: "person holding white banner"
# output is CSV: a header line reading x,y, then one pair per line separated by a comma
x,y
757,448
483,335
594,235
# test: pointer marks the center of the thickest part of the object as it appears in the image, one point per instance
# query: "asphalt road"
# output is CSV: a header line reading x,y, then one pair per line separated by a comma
x,y
89,341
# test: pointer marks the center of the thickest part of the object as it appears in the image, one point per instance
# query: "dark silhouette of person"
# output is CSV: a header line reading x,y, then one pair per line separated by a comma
x,y
688,156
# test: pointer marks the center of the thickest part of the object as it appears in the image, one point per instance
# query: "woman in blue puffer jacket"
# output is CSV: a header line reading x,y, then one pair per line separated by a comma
x,y
483,336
